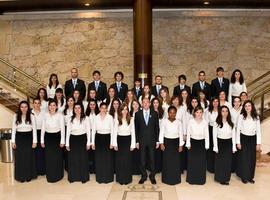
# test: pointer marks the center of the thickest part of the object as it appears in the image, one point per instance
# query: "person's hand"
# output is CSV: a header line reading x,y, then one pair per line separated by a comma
x,y
111,147
162,147
115,148
88,147
189,147
68,148
180,149
94,147
131,149
34,145
13,145
137,145
258,147
239,146
157,145
62,145
42,145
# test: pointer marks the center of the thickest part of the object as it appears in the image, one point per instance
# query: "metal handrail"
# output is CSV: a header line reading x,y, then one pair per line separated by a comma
x,y
7,99
257,79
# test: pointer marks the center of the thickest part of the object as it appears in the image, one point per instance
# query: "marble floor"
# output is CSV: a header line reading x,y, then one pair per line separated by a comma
x,y
40,189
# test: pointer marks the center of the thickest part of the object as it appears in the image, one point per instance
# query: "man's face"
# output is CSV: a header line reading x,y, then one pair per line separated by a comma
x,y
74,73
158,80
96,77
202,77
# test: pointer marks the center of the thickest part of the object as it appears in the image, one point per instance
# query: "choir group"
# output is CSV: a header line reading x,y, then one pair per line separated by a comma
x,y
124,132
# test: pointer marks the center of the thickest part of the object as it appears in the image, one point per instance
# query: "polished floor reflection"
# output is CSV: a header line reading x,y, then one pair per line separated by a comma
x,y
63,190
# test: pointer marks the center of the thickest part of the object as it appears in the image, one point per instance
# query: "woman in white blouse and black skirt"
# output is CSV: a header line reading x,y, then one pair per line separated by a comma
x,y
77,145
39,151
24,140
197,144
124,144
171,143
53,140
248,140
102,139
224,145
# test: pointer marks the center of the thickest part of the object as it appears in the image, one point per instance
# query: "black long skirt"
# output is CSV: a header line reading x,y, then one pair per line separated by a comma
x,y
210,154
78,159
223,161
91,161
103,159
171,172
196,171
158,160
25,165
123,160
183,159
40,157
65,153
246,162
136,162
53,157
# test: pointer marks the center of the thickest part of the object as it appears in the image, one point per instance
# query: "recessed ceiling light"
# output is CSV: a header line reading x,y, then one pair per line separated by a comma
x,y
87,4
206,3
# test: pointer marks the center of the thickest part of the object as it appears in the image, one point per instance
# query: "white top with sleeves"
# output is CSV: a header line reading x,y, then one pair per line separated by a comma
x,y
198,131
171,130
44,106
53,124
124,130
68,116
235,89
103,126
39,117
51,91
62,107
235,115
91,119
249,127
226,132
77,127
24,127
211,117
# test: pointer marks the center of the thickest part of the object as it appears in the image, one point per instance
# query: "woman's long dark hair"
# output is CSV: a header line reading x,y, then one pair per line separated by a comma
x,y
160,109
143,93
190,109
211,106
82,117
108,99
28,114
253,113
66,107
50,80
204,100
112,110
181,100
132,110
88,110
219,117
241,79
45,94
120,116
59,90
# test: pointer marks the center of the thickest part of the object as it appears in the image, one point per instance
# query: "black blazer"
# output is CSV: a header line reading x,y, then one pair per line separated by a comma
x,y
101,92
146,134
215,87
123,91
196,88
79,86
135,93
177,91
154,90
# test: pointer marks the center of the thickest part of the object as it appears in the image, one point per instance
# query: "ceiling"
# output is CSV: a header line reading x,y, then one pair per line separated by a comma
x,y
48,5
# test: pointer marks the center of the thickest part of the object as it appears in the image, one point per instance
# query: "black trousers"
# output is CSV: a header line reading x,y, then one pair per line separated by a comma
x,y
147,148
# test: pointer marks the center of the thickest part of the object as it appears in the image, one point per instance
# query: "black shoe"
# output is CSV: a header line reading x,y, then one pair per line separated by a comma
x,y
142,180
244,181
251,181
153,181
28,180
224,183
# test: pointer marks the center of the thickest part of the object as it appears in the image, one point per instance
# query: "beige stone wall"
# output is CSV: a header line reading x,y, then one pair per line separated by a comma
x,y
180,45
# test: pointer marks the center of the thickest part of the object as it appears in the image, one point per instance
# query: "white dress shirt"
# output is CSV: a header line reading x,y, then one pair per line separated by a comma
x,y
61,108
77,127
249,127
91,119
211,117
198,131
235,89
53,124
44,106
51,91
68,116
235,115
39,117
103,126
171,130
124,130
24,127
226,132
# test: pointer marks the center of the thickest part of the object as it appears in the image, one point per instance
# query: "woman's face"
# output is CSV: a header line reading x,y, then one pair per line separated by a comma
x,y
224,113
41,93
236,103
130,95
202,95
103,109
135,106
146,89
77,110
237,75
172,114
92,105
248,107
198,114
59,95
54,79
37,104
70,102
116,105
215,103
111,93
175,102
52,107
222,96
24,108
125,111
244,97
76,94
92,94
155,104
184,94
194,103
163,93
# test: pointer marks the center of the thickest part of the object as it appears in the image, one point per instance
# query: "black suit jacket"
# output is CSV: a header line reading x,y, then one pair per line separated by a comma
x,y
177,91
135,93
146,134
101,92
79,86
215,87
123,91
154,90
196,88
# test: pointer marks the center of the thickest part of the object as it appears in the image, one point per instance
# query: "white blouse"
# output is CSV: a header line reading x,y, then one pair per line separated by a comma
x,y
124,130
171,130
165,107
61,108
24,127
103,126
198,131
211,117
249,127
235,115
68,116
44,106
76,127
39,117
91,119
226,132
226,103
235,89
53,124
51,91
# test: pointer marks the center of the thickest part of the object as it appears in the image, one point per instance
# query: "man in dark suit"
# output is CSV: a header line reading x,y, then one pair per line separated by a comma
x,y
219,84
75,84
201,85
158,86
120,87
147,134
182,86
99,86
137,90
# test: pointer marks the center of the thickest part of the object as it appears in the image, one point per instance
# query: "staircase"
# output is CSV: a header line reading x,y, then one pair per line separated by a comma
x,y
19,81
